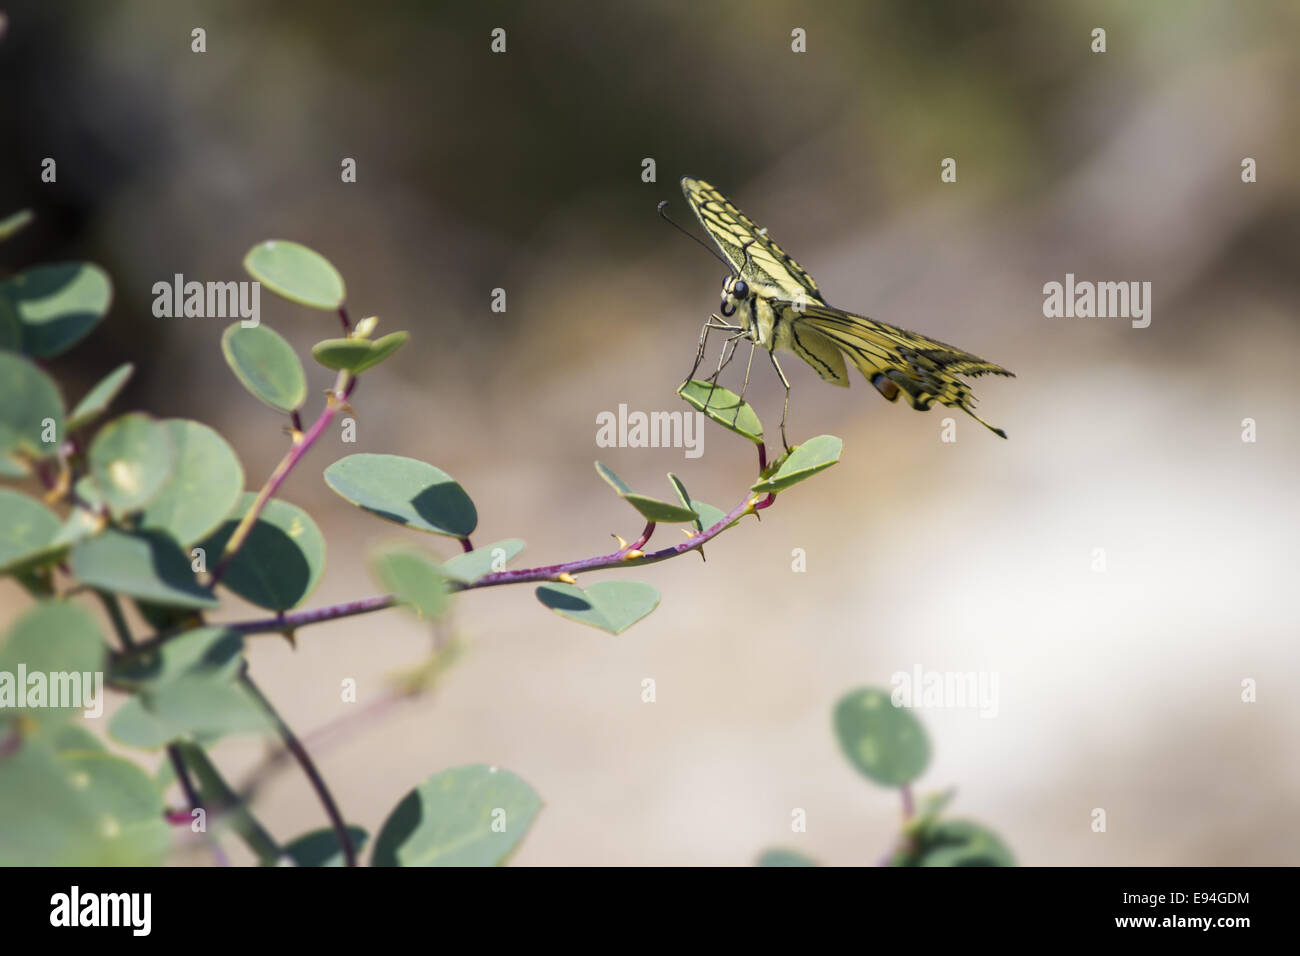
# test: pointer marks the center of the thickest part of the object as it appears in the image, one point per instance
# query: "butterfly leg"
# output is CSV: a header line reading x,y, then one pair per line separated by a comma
x,y
743,388
723,361
786,411
714,322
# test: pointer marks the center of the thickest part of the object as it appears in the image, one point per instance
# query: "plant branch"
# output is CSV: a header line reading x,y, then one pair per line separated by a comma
x,y
313,775
343,387
628,556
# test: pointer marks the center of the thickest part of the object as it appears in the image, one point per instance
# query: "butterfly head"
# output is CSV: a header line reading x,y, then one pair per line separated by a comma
x,y
735,291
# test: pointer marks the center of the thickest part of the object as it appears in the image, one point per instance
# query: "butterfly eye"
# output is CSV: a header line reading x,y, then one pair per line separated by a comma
x,y
741,289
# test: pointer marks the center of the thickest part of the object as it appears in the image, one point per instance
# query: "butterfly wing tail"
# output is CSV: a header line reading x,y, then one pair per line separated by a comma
x,y
898,362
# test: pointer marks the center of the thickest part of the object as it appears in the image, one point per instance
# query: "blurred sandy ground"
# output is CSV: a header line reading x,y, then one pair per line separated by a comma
x,y
1118,690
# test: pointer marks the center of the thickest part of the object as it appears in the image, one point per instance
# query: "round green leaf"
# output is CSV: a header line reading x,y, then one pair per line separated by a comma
x,y
58,304
141,564
804,461
321,847
266,365
724,407
27,530
467,816
612,606
383,347
958,843
55,637
468,568
282,560
413,579
406,491
70,737
13,224
131,460
341,354
98,398
299,274
31,410
205,483
884,743
213,653
785,858
191,707
652,509
706,515
11,330
78,809
356,355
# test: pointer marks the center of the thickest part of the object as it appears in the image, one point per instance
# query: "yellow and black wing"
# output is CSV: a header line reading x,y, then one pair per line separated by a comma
x,y
896,360
731,229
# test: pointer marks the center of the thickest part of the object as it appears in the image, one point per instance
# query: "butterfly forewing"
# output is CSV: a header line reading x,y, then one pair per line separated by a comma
x,y
730,229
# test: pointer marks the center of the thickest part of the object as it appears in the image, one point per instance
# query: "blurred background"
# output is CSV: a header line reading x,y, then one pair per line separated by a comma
x,y
1118,690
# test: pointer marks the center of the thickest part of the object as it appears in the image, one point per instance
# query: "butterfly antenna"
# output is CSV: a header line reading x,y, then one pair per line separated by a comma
x,y
689,235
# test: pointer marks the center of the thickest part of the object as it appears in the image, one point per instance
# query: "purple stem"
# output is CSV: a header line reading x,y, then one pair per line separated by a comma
x,y
549,572
282,470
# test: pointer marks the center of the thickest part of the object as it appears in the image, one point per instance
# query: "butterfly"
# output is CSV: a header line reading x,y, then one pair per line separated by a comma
x,y
778,305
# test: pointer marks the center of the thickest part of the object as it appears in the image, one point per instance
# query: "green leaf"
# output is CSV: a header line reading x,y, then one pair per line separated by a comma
x,y
211,653
11,329
266,365
69,737
97,400
28,399
706,515
468,816
131,460
957,843
468,568
785,858
724,407
189,707
612,606
58,304
27,530
406,491
141,564
299,274
886,744
13,224
413,579
356,355
652,509
53,638
204,486
804,461
282,560
321,847
342,354
78,809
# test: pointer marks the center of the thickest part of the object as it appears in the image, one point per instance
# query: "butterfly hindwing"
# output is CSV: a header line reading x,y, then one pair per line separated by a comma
x,y
924,369
730,229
